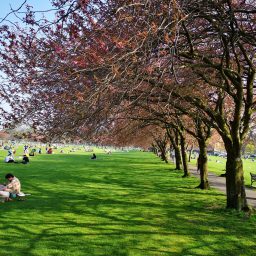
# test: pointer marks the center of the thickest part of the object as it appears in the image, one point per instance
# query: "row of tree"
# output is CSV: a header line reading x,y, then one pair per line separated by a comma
x,y
126,70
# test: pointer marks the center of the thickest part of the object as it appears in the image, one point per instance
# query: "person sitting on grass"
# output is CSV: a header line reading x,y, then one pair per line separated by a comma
x,y
25,159
11,190
93,156
9,159
32,152
49,151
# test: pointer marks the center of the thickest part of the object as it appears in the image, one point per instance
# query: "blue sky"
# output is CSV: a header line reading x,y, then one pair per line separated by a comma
x,y
38,5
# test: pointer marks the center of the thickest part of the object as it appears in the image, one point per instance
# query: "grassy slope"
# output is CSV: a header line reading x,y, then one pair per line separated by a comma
x,y
120,204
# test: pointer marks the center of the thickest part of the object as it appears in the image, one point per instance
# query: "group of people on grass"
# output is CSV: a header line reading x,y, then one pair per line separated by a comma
x,y
25,157
11,189
10,159
32,152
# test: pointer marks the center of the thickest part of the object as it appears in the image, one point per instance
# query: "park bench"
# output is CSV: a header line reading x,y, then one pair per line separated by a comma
x,y
253,177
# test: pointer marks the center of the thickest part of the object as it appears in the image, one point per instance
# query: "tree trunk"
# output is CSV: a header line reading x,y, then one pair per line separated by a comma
x,y
190,153
184,156
236,196
203,165
177,158
163,155
162,148
154,149
175,144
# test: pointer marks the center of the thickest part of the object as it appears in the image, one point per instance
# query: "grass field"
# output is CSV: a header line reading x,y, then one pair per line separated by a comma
x,y
124,204
217,165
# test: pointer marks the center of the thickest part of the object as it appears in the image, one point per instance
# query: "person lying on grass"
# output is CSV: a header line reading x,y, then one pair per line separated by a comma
x,y
11,190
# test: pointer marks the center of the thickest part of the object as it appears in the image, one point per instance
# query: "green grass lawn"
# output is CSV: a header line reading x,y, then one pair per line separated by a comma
x,y
217,165
119,205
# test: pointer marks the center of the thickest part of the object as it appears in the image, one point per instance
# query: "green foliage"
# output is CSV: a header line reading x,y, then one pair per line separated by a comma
x,y
124,204
250,148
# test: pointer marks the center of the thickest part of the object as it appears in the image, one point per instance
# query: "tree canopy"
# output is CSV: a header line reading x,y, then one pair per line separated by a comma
x,y
139,67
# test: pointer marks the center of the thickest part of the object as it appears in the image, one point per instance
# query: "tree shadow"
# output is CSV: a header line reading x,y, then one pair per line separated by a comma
x,y
80,207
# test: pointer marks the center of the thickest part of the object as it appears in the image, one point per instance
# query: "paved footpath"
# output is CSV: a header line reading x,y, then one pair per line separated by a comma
x,y
220,184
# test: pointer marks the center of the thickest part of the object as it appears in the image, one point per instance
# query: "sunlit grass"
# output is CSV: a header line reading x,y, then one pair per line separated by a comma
x,y
218,165
124,204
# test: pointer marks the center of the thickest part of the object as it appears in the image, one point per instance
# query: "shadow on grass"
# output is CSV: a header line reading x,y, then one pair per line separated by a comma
x,y
120,205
